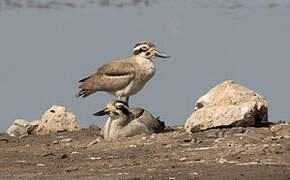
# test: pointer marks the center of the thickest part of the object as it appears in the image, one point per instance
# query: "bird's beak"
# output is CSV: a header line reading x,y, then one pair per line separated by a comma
x,y
105,111
159,54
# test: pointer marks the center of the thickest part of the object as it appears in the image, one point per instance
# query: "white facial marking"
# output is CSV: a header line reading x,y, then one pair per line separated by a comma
x,y
141,46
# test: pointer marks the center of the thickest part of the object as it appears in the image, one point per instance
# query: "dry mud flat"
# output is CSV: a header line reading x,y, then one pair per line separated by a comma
x,y
228,153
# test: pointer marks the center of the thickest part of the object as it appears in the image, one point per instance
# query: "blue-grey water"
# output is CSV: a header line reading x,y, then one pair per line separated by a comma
x,y
46,47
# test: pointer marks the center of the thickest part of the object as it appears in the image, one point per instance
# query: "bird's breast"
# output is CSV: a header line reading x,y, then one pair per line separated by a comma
x,y
146,68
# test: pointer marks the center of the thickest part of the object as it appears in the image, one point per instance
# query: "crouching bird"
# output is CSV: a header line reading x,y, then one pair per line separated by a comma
x,y
125,122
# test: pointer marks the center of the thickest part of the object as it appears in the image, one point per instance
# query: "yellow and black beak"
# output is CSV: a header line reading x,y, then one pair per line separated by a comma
x,y
159,54
105,111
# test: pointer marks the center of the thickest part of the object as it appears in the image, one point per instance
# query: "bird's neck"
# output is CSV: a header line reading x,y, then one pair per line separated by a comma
x,y
142,58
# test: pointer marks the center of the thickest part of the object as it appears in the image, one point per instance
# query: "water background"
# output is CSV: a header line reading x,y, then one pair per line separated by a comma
x,y
47,46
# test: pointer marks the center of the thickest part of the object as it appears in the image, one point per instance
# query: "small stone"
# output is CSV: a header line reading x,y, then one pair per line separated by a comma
x,y
133,145
21,161
55,142
168,146
144,138
66,140
75,152
96,141
40,165
110,157
183,159
94,158
120,173
218,140
247,163
194,174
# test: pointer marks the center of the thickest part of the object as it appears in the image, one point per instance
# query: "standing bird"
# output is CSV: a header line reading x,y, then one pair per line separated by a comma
x,y
123,77
125,122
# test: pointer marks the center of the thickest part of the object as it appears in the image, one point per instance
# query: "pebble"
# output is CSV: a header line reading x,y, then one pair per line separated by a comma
x,y
40,165
95,158
195,174
55,142
66,140
75,152
110,157
168,146
120,174
183,159
21,161
247,163
96,141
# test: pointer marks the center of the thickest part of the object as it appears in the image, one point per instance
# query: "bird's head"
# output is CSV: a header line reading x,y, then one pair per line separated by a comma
x,y
115,109
146,49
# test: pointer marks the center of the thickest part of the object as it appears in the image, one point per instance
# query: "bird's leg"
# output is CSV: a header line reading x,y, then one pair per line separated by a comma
x,y
127,100
119,98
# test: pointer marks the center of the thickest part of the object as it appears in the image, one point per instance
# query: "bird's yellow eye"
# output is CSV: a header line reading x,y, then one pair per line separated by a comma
x,y
144,48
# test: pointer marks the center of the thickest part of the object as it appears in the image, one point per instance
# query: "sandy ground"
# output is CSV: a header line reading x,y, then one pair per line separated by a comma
x,y
228,153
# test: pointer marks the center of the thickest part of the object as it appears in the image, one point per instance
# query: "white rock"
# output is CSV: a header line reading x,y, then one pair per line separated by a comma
x,y
18,128
228,104
56,119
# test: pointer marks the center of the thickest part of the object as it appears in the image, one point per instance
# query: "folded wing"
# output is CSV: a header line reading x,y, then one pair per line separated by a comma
x,y
110,77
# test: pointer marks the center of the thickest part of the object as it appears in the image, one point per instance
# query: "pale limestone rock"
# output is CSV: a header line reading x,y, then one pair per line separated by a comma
x,y
22,127
57,119
228,104
18,128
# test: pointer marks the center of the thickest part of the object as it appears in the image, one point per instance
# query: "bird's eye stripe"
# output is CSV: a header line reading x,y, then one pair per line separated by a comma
x,y
141,47
120,103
